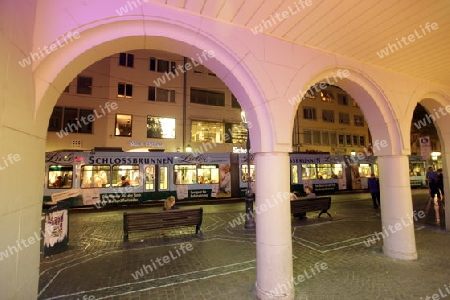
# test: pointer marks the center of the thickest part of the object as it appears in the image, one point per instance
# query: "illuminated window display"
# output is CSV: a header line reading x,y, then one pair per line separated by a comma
x,y
244,173
124,125
207,131
160,128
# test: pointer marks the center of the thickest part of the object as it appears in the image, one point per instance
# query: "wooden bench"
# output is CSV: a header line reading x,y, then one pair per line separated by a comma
x,y
312,204
160,220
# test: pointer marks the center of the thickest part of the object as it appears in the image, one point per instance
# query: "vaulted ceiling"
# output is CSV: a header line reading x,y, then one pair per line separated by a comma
x,y
360,29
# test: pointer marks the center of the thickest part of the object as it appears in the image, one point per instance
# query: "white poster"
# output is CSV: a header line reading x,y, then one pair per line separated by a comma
x,y
182,191
425,147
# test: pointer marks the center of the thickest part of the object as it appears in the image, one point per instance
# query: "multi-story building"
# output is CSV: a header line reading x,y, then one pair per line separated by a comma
x,y
159,101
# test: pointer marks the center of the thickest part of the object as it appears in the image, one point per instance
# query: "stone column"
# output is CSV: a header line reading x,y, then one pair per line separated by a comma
x,y
397,217
273,227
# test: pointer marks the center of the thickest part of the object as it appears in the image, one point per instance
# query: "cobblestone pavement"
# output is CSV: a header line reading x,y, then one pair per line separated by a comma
x,y
332,257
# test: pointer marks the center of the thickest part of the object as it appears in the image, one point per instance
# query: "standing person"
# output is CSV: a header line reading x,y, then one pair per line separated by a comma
x,y
440,183
432,183
374,190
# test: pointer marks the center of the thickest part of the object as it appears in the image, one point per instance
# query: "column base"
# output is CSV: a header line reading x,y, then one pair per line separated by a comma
x,y
399,255
263,295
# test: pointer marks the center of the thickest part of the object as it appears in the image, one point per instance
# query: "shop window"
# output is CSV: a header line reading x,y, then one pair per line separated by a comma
x,y
202,131
160,128
95,176
60,177
124,125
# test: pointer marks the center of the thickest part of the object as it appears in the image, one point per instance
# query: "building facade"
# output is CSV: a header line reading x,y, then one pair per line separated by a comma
x,y
147,100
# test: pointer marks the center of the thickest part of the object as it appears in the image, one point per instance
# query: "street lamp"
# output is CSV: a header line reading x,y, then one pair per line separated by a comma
x,y
249,220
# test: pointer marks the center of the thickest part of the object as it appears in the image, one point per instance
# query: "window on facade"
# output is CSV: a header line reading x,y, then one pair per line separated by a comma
x,y
355,140
126,59
344,118
328,116
163,66
55,122
84,85
125,175
354,103
74,120
124,90
124,125
207,97
316,137
348,139
307,137
333,140
342,99
358,120
86,125
309,113
362,140
341,140
238,133
202,131
326,96
152,64
160,128
95,176
310,95
160,95
60,177
234,102
66,90
325,138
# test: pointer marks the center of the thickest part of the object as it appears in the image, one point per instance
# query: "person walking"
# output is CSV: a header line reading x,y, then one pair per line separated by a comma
x,y
374,190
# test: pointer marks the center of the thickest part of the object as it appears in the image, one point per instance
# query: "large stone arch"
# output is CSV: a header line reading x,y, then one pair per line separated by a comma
x,y
55,71
376,107
437,105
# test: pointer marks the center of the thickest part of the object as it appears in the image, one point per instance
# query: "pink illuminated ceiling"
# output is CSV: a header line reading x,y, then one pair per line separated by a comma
x,y
352,28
